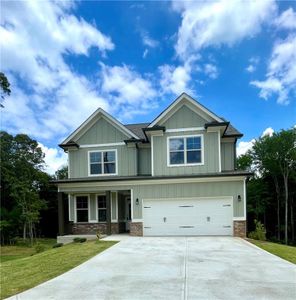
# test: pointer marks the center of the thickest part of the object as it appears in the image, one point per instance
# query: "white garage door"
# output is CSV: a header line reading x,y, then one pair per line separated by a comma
x,y
188,217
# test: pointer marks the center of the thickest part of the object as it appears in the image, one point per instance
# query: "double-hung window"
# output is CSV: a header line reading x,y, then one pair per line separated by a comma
x,y
102,162
185,150
82,209
102,208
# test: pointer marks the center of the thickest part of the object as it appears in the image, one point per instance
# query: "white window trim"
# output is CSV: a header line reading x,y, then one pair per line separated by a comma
x,y
88,207
185,151
152,156
103,174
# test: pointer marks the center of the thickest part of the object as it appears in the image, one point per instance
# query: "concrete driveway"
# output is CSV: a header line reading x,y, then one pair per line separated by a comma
x,y
175,268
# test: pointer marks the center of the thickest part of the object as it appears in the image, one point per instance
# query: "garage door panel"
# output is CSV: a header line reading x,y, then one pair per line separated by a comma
x,y
188,217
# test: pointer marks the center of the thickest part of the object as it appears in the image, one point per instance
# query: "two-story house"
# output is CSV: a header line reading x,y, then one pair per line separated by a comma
x,y
173,176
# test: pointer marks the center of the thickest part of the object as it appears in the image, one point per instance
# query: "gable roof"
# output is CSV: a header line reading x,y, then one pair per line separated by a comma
x,y
89,122
189,99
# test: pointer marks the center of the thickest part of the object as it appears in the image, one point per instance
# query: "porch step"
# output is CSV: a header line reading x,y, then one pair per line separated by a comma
x,y
67,239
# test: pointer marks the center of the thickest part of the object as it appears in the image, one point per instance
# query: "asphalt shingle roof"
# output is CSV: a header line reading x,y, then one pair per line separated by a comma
x,y
137,129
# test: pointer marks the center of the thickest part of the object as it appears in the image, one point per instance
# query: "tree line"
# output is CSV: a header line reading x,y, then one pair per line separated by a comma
x,y
271,190
28,198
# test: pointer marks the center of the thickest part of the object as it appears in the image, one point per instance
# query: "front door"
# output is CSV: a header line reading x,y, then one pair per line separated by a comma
x,y
128,215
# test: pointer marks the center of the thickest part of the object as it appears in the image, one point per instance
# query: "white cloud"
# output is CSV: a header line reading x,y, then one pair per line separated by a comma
x,y
243,147
54,158
281,72
48,98
217,23
127,90
145,53
253,62
148,41
287,20
268,132
211,71
175,79
250,68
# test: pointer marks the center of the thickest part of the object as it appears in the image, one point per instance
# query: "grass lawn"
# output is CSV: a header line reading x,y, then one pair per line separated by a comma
x,y
14,252
283,251
21,274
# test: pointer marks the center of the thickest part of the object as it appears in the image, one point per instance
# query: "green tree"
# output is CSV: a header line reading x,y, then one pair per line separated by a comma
x,y
62,173
22,162
276,156
5,86
244,162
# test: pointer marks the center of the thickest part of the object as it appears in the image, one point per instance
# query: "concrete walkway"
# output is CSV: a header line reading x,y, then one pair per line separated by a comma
x,y
175,268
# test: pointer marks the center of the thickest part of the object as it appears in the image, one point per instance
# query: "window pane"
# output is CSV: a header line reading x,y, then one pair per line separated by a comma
x,y
95,169
109,168
101,201
109,156
102,215
95,157
176,158
193,156
193,143
82,215
176,144
81,202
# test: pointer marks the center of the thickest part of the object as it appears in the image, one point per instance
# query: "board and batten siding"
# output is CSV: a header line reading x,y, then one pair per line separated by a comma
x,y
126,159
190,190
144,156
101,132
227,156
179,190
211,155
184,117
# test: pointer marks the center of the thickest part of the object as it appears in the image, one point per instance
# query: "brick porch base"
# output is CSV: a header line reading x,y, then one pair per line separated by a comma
x,y
136,228
94,228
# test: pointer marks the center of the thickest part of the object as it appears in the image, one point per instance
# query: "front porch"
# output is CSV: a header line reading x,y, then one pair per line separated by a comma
x,y
102,212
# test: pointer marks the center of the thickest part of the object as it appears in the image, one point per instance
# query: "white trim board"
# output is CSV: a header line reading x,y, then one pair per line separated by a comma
x,y
102,145
185,129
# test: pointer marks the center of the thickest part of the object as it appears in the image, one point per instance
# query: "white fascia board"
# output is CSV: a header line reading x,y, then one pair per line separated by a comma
x,y
92,117
177,101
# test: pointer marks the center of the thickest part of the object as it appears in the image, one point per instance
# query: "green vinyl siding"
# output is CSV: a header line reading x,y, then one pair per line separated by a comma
x,y
211,155
126,159
227,156
101,132
184,117
190,190
144,155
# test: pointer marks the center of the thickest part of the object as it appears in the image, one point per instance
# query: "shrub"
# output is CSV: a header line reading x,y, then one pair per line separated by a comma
x,y
57,245
259,233
39,248
79,240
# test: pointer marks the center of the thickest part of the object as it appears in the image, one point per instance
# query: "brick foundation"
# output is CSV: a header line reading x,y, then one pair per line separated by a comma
x,y
136,228
240,228
89,228
114,228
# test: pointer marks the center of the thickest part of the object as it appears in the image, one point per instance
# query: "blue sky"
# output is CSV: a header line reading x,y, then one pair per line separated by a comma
x,y
66,59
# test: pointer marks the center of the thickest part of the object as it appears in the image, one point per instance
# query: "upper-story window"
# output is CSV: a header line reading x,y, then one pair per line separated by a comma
x,y
185,150
103,162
